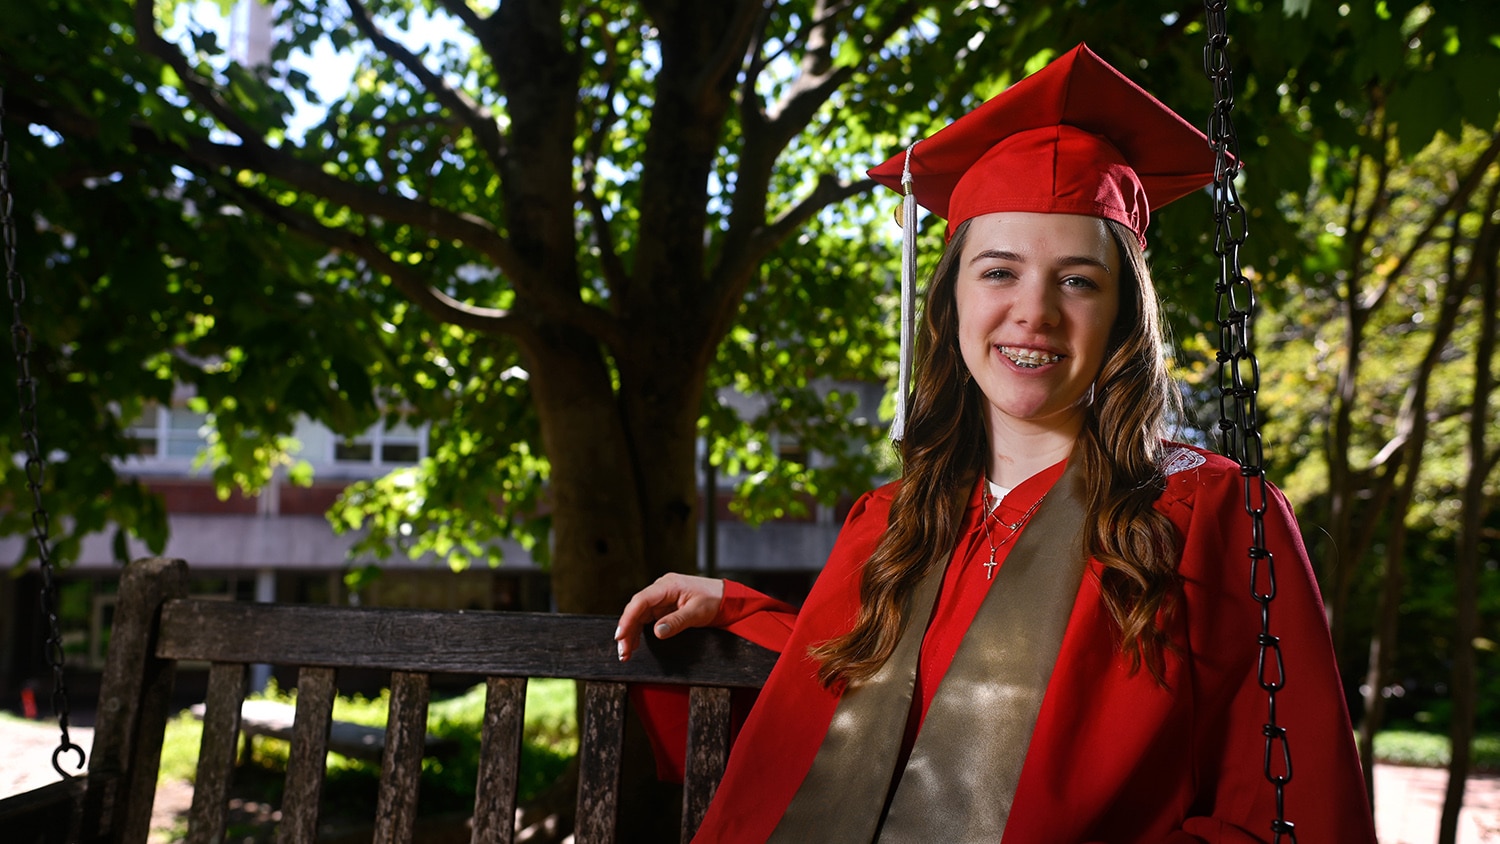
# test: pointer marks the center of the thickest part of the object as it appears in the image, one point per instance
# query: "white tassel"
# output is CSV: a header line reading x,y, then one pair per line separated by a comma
x,y
908,296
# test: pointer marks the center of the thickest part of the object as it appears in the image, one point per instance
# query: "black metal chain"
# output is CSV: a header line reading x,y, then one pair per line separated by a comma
x,y
36,466
1239,380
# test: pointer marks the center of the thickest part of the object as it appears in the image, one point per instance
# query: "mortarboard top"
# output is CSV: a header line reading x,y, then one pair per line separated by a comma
x,y
1076,137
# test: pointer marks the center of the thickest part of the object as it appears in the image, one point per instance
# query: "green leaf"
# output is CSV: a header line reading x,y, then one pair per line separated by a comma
x,y
1425,105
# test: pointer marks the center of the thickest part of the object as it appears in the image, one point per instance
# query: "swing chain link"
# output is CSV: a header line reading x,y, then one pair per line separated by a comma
x,y
1239,381
36,465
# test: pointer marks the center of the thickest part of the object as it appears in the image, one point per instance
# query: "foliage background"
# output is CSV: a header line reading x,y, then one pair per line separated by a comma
x,y
181,235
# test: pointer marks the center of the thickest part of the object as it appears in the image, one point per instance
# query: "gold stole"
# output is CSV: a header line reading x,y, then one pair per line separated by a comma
x,y
962,773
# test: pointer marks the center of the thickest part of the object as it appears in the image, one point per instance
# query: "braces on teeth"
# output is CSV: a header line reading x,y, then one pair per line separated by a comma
x,y
1028,358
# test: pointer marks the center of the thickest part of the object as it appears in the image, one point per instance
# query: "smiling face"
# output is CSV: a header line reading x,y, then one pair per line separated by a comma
x,y
1037,296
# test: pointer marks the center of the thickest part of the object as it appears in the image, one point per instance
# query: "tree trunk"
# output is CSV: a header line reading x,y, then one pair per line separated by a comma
x,y
1341,560
1382,652
598,550
624,475
1465,689
1411,430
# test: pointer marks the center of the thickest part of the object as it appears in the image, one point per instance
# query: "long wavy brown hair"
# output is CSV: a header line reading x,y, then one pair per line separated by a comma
x,y
944,451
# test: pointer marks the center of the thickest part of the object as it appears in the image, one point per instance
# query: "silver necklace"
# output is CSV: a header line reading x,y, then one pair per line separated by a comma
x,y
1015,527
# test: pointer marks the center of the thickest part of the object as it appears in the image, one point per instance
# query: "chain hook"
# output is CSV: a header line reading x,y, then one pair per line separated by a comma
x,y
65,745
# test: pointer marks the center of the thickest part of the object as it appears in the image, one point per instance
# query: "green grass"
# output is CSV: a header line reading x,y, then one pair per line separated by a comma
x,y
179,748
549,742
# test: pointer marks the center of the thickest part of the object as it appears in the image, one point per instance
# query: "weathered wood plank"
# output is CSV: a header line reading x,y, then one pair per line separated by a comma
x,y
46,815
401,769
601,739
157,678
499,761
132,709
209,816
484,643
707,751
309,756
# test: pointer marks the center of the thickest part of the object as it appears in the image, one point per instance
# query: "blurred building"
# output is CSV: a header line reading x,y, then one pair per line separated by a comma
x,y
280,546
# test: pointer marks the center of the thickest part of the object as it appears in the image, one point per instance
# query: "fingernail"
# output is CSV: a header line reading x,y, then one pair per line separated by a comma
x,y
620,649
618,630
663,629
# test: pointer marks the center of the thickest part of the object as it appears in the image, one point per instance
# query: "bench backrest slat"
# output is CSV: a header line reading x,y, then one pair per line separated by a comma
x,y
401,767
309,755
601,739
499,760
208,818
707,753
134,699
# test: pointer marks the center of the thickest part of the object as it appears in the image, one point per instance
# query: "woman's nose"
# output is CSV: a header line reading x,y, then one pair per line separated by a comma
x,y
1036,306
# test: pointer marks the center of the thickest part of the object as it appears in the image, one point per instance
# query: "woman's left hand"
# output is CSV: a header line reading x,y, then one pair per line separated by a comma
x,y
673,603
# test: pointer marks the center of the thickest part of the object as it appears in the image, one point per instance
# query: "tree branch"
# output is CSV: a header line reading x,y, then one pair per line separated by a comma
x,y
829,191
476,117
1486,257
200,91
309,177
736,266
748,19
484,28
1413,422
255,154
820,79
468,228
1360,228
460,9
609,258
765,135
1472,180
439,305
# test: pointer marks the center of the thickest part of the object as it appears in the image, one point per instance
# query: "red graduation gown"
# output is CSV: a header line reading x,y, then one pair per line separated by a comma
x,y
1114,756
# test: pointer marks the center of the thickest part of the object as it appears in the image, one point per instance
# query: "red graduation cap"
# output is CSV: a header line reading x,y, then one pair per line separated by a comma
x,y
1076,137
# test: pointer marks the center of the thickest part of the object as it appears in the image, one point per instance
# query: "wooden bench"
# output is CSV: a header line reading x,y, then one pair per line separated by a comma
x,y
155,627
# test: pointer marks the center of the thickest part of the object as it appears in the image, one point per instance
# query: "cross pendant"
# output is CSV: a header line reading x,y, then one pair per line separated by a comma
x,y
989,568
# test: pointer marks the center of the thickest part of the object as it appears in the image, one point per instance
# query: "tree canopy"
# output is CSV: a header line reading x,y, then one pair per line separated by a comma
x,y
556,234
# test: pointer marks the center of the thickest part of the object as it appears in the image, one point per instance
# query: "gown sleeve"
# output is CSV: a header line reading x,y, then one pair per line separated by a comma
x,y
755,617
1325,797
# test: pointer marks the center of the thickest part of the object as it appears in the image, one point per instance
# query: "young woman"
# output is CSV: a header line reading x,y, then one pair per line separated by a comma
x,y
1043,632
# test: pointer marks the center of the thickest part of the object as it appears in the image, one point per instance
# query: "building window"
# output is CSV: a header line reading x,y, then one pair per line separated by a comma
x,y
398,445
161,432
